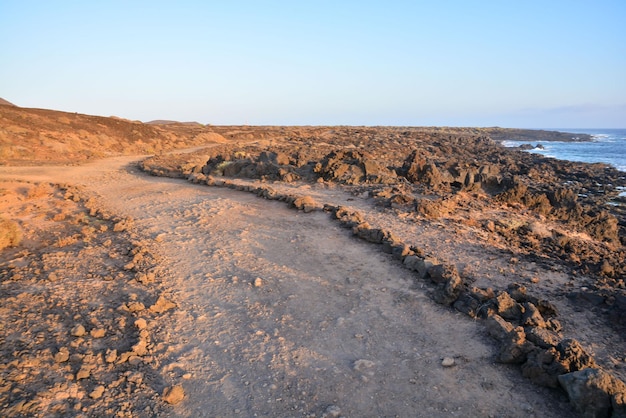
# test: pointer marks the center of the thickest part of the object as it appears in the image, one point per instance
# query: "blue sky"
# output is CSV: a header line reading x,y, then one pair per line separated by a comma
x,y
457,63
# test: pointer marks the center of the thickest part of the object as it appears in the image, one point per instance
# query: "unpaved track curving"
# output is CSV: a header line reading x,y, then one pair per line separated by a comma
x,y
331,325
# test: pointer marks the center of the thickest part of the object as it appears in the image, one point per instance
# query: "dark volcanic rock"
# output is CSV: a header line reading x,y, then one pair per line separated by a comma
x,y
595,393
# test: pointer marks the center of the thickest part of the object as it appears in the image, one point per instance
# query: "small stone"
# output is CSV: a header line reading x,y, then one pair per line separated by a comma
x,y
78,330
135,306
83,373
97,392
141,323
97,332
111,356
123,358
135,377
174,394
162,305
62,356
258,282
140,348
447,362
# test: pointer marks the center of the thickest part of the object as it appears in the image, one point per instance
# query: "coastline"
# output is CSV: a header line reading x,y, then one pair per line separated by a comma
x,y
479,229
606,146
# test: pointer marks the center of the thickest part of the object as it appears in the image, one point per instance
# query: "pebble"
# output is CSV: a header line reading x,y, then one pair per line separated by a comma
x,y
258,282
98,332
111,356
136,306
83,373
78,330
97,392
62,356
447,362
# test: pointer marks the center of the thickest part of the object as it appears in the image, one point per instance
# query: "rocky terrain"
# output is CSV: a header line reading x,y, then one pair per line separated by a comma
x,y
123,294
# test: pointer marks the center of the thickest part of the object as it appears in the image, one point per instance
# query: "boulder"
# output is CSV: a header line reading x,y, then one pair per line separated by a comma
x,y
514,347
542,337
507,307
595,393
532,317
306,204
449,283
543,366
467,304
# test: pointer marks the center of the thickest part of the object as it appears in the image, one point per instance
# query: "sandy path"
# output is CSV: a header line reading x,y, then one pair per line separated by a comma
x,y
333,326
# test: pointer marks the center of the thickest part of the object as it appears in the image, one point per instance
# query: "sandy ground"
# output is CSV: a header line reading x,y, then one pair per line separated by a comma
x,y
283,313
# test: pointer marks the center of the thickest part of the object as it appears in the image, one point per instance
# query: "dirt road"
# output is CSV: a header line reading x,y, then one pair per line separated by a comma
x,y
282,313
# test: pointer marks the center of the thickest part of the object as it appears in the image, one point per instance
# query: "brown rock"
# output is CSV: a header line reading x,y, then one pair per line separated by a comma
x,y
306,203
78,331
532,317
97,332
449,282
174,394
542,337
498,328
573,355
162,305
83,373
507,307
110,356
135,306
140,348
62,356
97,392
482,295
513,345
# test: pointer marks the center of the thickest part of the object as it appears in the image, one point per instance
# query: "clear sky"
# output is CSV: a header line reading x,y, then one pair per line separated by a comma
x,y
533,63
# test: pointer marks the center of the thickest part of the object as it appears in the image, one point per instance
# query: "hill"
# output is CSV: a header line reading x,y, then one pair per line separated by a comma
x,y
5,102
36,136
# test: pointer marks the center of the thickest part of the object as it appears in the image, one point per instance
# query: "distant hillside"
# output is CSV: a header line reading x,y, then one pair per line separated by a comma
x,y
48,136
172,122
5,102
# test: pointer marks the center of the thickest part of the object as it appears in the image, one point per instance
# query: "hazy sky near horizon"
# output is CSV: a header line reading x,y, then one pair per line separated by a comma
x,y
534,64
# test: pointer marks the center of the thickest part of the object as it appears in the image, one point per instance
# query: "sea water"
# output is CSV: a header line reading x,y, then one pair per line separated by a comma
x,y
607,146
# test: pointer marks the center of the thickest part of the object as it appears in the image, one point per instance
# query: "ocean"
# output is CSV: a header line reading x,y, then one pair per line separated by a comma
x,y
608,146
